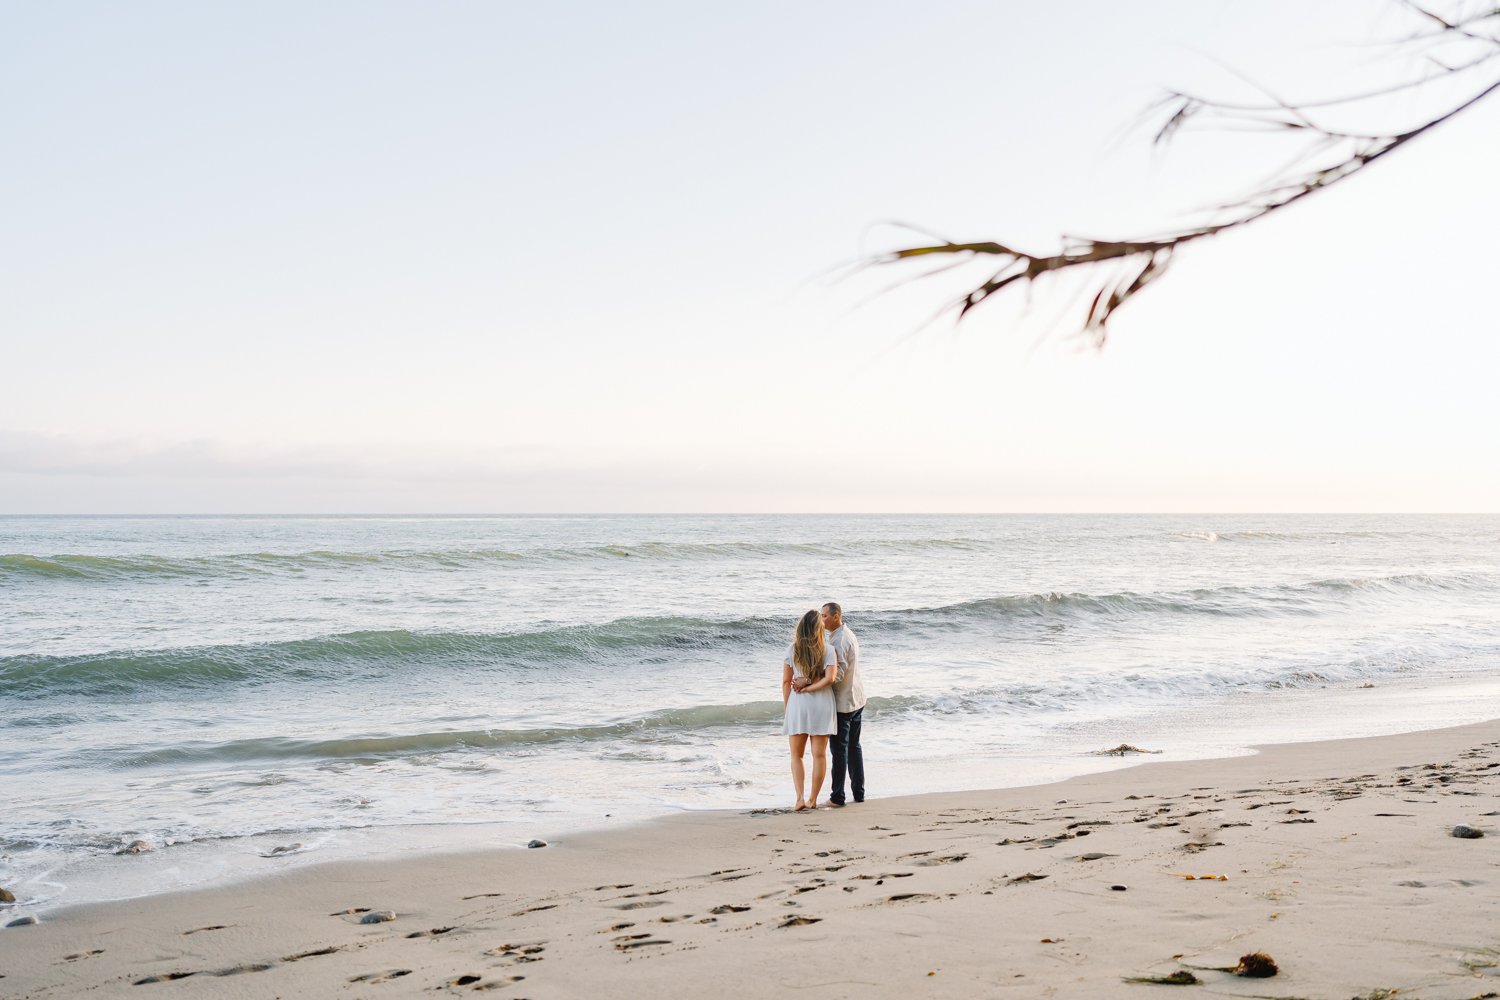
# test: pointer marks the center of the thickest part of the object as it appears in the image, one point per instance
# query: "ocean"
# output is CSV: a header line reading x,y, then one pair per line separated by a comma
x,y
247,693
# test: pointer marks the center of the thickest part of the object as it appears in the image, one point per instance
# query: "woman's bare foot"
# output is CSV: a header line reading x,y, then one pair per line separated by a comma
x,y
814,804
799,807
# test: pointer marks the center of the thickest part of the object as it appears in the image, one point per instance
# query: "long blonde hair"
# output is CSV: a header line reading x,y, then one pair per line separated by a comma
x,y
808,649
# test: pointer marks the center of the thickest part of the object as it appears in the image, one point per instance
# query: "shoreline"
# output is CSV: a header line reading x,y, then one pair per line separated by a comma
x,y
1233,726
1325,848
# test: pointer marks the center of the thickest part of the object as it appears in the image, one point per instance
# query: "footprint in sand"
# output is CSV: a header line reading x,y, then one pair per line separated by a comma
x,y
165,977
85,954
949,859
799,921
729,908
641,904
495,984
904,897
634,941
311,954
214,927
241,969
430,932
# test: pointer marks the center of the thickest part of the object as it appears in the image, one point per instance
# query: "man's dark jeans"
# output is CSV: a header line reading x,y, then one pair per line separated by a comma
x,y
848,756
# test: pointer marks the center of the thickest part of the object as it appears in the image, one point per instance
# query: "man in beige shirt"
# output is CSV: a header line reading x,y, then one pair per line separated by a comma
x,y
849,699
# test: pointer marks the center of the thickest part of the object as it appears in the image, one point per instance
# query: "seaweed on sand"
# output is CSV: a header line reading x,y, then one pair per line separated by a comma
x,y
1179,978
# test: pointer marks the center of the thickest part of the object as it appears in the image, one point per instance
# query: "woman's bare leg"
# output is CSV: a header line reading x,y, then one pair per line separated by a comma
x,y
820,768
798,744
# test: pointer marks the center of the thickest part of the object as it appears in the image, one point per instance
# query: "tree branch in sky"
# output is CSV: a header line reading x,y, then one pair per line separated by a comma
x,y
1132,264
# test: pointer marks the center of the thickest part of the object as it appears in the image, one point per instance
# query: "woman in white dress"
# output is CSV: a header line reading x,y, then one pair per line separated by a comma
x,y
809,712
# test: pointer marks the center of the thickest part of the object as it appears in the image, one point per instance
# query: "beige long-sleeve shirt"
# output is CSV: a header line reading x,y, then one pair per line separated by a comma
x,y
849,688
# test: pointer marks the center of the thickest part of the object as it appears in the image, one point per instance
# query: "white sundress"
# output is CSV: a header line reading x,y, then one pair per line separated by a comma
x,y
813,713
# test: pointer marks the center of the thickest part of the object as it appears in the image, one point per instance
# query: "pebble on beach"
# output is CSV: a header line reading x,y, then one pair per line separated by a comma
x,y
24,921
537,843
1467,832
378,917
6,896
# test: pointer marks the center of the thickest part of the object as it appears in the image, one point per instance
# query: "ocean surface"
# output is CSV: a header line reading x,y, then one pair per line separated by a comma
x,y
245,693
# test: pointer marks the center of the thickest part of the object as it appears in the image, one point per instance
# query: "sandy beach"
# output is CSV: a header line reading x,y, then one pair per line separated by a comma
x,y
1335,858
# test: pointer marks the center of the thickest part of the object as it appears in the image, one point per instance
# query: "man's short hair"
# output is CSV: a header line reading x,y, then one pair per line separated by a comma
x,y
832,607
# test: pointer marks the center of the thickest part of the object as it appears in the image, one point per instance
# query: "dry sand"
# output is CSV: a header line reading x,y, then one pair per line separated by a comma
x,y
1338,857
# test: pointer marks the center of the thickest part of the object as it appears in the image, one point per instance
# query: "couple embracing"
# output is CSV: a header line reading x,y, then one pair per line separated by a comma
x,y
824,698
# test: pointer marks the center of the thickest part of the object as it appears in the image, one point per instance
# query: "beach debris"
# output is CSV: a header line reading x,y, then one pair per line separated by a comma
x,y
1256,965
25,921
281,850
6,896
1051,941
378,917
1466,832
1202,878
537,843
135,847
1117,888
1121,750
1179,978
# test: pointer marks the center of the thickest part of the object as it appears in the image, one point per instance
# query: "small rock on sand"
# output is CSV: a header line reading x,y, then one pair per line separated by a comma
x,y
6,896
1467,832
378,917
537,843
24,921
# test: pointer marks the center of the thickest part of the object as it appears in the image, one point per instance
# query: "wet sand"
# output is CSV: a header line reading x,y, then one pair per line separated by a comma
x,y
1335,858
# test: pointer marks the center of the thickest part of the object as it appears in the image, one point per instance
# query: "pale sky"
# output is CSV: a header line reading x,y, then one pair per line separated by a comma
x,y
492,256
